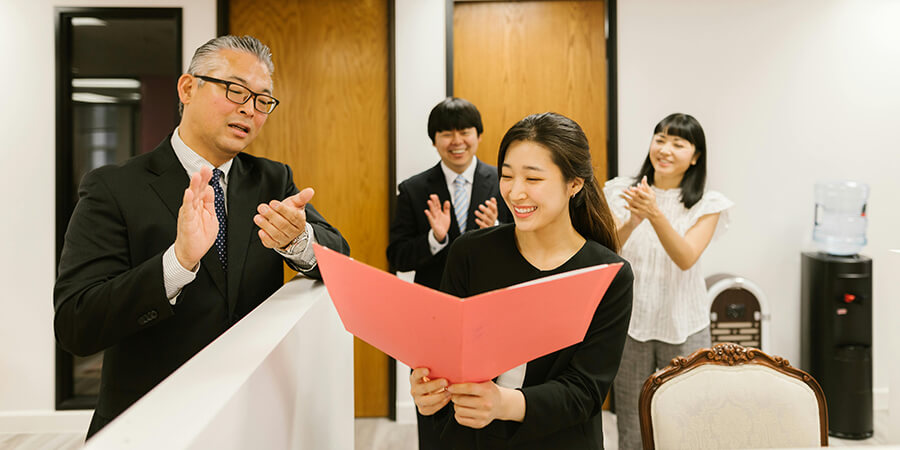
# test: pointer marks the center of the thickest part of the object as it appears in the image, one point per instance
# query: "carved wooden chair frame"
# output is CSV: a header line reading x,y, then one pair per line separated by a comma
x,y
724,354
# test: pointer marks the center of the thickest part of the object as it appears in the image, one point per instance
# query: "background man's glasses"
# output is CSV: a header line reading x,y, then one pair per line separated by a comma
x,y
238,93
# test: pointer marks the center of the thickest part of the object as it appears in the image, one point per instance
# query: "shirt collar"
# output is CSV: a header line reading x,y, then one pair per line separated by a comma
x,y
468,174
191,161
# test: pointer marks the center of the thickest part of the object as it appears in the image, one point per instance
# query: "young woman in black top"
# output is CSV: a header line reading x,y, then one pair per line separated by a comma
x,y
562,223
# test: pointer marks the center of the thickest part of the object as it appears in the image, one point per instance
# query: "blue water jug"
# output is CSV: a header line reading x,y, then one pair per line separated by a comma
x,y
840,221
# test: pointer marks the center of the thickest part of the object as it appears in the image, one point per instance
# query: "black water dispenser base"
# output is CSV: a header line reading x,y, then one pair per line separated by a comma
x,y
836,338
856,436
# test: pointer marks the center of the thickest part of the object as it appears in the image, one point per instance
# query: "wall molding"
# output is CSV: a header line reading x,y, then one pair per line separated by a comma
x,y
45,421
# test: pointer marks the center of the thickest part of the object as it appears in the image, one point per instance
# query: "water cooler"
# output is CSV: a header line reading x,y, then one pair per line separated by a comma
x,y
836,309
836,339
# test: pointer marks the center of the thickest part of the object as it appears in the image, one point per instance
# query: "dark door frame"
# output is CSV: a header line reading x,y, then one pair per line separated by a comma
x,y
65,392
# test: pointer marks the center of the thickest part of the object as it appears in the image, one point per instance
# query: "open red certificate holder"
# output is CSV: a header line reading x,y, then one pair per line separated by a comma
x,y
470,339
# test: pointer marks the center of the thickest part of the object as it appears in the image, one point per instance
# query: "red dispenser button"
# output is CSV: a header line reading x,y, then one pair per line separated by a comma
x,y
849,298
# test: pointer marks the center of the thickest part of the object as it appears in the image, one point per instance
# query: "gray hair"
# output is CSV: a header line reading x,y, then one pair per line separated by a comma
x,y
206,58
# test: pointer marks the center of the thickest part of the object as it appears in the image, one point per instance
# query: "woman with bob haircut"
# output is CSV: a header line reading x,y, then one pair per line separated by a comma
x,y
665,221
561,223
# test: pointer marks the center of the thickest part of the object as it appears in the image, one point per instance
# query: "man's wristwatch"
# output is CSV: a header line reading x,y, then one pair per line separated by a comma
x,y
297,245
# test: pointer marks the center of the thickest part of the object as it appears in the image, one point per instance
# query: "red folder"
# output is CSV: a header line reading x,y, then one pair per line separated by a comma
x,y
470,339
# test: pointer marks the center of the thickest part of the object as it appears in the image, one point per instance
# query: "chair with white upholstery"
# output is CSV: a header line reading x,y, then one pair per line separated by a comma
x,y
732,397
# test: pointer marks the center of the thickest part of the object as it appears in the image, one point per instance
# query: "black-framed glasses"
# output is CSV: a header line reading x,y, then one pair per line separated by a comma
x,y
238,93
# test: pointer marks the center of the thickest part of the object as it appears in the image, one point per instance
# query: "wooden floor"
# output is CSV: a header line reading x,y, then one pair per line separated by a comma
x,y
383,434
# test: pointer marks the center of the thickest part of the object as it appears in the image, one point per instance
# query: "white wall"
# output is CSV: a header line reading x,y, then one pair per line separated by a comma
x,y
892,266
420,68
789,92
421,74
27,184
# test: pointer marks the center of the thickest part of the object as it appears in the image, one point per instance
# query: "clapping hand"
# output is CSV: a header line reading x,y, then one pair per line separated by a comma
x,y
486,214
197,222
641,202
438,218
280,222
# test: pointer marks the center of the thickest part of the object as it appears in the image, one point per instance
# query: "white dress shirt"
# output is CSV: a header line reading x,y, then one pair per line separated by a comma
x,y
449,177
175,276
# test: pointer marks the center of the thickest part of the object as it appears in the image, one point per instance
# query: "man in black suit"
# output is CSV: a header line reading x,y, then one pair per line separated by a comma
x,y
459,193
168,250
436,206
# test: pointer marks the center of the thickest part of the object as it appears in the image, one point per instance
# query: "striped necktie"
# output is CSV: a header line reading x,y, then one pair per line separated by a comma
x,y
222,237
460,202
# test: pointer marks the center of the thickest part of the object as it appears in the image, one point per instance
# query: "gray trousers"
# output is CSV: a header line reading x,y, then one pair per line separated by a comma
x,y
639,361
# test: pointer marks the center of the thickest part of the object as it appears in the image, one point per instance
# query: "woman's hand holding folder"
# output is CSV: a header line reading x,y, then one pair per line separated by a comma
x,y
430,395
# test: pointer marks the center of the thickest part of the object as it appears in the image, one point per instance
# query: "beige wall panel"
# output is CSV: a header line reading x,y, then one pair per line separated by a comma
x,y
331,75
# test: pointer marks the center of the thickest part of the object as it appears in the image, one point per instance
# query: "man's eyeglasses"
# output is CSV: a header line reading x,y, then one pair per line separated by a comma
x,y
238,93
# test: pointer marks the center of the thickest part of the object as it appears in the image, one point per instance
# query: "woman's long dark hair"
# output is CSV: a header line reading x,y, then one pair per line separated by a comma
x,y
688,128
570,151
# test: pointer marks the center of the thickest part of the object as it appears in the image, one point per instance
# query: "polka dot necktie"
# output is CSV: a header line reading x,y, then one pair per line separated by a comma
x,y
222,237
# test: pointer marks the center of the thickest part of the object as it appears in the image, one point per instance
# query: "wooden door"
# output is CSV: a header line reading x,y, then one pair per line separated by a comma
x,y
331,75
512,59
516,58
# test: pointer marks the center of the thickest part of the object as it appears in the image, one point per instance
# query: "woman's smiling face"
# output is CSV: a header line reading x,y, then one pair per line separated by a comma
x,y
671,156
534,188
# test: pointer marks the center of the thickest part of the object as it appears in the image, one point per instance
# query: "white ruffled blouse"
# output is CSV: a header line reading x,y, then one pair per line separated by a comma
x,y
669,303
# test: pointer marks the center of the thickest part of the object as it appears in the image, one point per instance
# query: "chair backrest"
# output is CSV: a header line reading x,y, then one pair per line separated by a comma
x,y
729,396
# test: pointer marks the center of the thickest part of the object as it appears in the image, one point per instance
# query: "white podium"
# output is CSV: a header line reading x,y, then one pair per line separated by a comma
x,y
280,378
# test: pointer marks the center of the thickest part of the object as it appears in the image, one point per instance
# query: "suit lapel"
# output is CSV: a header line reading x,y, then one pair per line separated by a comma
x,y
169,185
243,198
437,184
171,179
